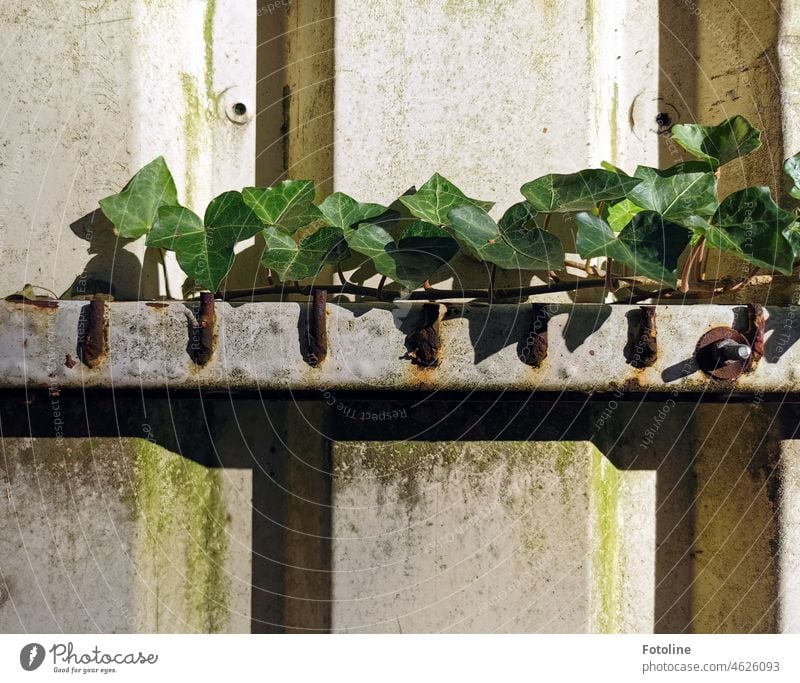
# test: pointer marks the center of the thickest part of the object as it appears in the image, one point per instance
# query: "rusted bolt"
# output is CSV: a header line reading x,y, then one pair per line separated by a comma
x,y
422,344
93,333
534,351
201,342
645,347
317,329
755,333
723,353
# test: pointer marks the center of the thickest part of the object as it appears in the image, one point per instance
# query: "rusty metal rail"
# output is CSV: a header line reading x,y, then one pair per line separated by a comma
x,y
401,346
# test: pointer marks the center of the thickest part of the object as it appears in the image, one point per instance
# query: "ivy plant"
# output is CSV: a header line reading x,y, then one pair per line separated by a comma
x,y
638,227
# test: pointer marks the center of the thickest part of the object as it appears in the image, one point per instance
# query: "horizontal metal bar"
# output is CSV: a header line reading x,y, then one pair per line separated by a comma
x,y
481,348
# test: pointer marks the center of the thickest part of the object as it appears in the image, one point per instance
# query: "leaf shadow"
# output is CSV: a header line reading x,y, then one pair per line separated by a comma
x,y
582,323
112,269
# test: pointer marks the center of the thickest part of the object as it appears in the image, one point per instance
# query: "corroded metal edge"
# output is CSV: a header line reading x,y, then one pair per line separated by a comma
x,y
260,346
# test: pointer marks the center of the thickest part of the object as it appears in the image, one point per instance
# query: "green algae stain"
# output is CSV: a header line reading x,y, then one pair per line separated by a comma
x,y
208,40
182,510
192,132
606,553
612,124
564,459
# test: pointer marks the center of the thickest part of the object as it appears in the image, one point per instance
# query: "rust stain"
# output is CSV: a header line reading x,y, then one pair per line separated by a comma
x,y
93,347
70,362
202,333
317,326
423,344
755,334
156,304
644,351
47,304
534,350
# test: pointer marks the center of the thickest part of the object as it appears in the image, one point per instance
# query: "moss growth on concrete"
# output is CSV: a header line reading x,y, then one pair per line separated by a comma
x,y
192,132
606,575
564,459
612,125
208,41
180,505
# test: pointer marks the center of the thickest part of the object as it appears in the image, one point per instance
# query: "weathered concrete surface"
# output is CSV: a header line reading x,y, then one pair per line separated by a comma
x,y
461,537
260,346
491,95
91,92
118,535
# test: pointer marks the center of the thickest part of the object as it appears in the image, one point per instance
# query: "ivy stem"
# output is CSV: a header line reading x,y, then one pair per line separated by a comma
x,y
429,294
162,257
379,293
340,273
610,286
687,269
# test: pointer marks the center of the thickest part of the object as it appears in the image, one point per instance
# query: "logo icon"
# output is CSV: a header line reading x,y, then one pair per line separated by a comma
x,y
31,656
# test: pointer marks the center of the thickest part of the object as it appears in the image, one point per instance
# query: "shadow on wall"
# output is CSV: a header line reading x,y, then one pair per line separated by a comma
x,y
112,269
714,559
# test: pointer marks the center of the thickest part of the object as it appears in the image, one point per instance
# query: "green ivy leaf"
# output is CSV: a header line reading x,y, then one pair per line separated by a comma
x,y
288,205
608,166
294,259
519,230
535,249
205,252
650,246
133,211
792,168
520,215
433,201
675,196
792,235
734,137
621,213
749,224
345,212
576,191
420,251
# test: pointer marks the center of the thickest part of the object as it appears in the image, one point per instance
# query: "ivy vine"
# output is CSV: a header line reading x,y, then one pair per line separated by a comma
x,y
643,225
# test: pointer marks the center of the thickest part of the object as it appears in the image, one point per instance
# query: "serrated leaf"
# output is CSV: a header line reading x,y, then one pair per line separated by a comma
x,y
649,246
734,137
792,168
344,212
421,250
296,260
621,213
675,196
133,211
576,191
433,201
288,205
750,225
205,251
480,234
